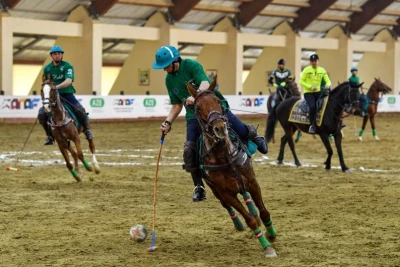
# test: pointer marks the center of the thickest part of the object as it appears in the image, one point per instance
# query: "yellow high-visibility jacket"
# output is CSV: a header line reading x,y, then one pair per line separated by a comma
x,y
312,77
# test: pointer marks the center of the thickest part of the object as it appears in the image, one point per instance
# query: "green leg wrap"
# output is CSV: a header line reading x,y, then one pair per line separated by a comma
x,y
250,204
270,228
236,221
298,136
374,133
74,173
330,137
361,132
86,164
261,238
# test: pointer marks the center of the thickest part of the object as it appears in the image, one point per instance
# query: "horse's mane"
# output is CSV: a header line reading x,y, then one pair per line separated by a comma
x,y
336,89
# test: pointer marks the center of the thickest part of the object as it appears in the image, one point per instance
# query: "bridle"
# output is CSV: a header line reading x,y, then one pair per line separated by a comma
x,y
47,100
213,115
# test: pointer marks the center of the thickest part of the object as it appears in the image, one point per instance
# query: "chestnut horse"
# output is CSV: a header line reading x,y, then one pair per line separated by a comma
x,y
64,130
230,169
373,100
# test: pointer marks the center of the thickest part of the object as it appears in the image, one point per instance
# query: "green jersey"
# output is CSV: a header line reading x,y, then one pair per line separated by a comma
x,y
280,76
354,79
176,84
60,73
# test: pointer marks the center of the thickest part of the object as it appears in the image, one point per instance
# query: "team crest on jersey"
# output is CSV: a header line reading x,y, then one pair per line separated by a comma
x,y
62,68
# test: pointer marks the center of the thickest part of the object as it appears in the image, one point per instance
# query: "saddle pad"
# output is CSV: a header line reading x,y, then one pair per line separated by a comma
x,y
298,116
72,114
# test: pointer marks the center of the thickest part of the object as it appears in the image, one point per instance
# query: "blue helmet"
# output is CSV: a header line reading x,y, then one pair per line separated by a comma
x,y
353,69
56,49
165,55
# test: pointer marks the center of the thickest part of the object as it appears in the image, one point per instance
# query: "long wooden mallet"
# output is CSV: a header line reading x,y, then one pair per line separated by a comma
x,y
153,233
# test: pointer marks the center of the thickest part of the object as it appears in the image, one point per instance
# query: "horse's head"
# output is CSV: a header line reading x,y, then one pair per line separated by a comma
x,y
380,86
291,86
49,94
209,111
353,96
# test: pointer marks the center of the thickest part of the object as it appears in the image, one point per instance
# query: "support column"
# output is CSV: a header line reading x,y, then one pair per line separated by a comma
x,y
6,55
226,59
84,53
338,62
141,57
396,69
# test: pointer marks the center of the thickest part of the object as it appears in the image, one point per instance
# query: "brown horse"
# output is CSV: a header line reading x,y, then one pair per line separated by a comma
x,y
229,168
291,90
373,100
64,130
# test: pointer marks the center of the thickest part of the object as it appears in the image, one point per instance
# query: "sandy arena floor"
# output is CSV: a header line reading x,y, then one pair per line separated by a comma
x,y
322,218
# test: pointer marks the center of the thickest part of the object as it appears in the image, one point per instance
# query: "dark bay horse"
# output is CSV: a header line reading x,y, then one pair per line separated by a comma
x,y
230,169
331,123
290,90
373,99
65,131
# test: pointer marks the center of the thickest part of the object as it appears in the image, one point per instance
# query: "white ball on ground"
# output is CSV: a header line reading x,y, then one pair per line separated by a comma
x,y
362,168
138,233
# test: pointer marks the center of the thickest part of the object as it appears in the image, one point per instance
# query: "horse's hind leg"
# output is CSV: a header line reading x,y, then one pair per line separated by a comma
x,y
235,219
94,160
251,220
75,157
64,152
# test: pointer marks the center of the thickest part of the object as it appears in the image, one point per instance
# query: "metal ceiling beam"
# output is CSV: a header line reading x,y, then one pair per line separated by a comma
x,y
11,3
29,45
181,8
249,10
370,9
102,6
306,15
115,43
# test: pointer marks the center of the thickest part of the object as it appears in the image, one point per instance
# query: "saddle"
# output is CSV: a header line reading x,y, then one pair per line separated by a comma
x,y
300,111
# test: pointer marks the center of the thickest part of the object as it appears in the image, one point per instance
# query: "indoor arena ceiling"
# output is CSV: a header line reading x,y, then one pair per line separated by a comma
x,y
311,18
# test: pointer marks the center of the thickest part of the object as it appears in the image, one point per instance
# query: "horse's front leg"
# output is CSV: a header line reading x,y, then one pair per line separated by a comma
x,y
64,152
235,219
289,136
365,120
327,144
372,120
94,160
282,149
80,155
338,142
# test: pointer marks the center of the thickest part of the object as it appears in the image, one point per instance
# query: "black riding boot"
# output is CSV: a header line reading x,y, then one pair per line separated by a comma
x,y
49,139
262,146
199,192
82,118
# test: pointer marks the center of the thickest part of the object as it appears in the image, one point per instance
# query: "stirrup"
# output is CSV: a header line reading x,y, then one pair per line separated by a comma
x,y
89,134
199,193
49,141
312,129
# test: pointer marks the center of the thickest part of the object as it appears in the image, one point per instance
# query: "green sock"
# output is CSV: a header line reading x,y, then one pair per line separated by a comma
x,y
361,132
374,132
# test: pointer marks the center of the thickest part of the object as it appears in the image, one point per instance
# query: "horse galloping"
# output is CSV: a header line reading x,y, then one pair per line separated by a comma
x,y
331,123
229,168
65,131
373,100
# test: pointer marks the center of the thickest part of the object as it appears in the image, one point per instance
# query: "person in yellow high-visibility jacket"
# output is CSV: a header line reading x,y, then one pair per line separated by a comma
x,y
310,79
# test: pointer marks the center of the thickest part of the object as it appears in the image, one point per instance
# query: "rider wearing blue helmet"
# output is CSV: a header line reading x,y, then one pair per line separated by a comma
x,y
63,76
354,78
179,71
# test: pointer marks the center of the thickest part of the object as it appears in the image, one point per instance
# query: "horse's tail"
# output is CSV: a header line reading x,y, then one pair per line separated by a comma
x,y
271,122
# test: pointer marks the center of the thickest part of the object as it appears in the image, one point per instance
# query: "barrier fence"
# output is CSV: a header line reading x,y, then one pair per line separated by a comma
x,y
145,106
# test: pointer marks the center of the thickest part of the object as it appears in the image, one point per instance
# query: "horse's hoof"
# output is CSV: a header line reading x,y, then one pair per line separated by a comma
x,y
269,252
377,138
360,138
298,164
348,170
279,163
78,179
96,168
